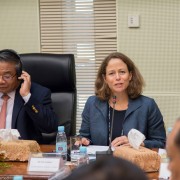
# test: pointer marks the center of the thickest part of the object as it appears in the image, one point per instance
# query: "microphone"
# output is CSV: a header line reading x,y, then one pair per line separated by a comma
x,y
112,122
109,152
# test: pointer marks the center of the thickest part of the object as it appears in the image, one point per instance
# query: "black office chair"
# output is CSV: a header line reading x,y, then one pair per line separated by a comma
x,y
56,72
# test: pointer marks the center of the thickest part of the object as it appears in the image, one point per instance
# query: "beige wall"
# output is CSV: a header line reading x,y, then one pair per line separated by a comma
x,y
19,25
155,48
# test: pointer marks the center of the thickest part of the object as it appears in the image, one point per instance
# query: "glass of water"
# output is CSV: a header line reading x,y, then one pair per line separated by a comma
x,y
75,143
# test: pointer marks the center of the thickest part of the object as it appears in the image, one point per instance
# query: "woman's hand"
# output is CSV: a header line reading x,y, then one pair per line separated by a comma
x,y
122,140
83,141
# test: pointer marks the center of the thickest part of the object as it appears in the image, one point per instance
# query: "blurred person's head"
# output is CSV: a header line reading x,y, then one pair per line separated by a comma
x,y
173,151
108,168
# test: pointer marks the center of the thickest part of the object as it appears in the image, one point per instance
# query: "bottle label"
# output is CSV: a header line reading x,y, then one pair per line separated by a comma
x,y
61,147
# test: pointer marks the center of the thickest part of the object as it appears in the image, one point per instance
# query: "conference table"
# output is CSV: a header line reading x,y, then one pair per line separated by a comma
x,y
20,168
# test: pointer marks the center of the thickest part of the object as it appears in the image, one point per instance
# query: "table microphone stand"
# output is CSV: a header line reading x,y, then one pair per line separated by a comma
x,y
109,152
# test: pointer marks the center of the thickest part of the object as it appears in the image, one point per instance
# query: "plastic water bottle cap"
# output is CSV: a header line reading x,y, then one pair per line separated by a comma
x,y
61,128
18,178
169,129
83,149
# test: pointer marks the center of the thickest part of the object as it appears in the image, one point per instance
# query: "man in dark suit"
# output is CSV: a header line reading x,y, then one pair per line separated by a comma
x,y
29,106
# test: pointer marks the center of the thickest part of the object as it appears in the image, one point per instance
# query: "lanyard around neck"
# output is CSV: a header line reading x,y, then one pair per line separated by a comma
x,y
110,124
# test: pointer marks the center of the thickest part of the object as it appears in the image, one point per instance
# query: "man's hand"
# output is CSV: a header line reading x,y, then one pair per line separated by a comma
x,y
26,84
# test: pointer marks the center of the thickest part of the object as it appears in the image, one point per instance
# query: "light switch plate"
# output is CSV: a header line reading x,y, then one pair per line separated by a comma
x,y
133,20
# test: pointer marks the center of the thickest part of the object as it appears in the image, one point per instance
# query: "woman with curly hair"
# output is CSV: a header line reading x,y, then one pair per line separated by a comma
x,y
119,86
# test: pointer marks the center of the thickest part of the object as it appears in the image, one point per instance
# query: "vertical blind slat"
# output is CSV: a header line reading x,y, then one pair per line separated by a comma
x,y
85,28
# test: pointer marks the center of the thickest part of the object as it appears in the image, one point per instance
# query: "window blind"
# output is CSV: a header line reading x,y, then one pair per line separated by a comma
x,y
85,28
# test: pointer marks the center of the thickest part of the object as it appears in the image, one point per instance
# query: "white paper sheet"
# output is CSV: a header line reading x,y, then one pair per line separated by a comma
x,y
162,153
164,172
91,150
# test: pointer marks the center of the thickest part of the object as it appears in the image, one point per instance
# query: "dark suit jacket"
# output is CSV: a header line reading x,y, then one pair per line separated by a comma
x,y
142,114
36,116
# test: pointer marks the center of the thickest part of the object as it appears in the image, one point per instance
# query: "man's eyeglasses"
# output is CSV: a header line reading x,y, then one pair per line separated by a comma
x,y
7,77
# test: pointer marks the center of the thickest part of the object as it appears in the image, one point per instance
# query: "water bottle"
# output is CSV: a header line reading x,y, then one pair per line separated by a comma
x,y
169,129
18,177
83,151
61,143
83,156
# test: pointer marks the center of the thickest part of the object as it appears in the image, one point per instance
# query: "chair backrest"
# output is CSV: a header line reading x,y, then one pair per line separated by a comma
x,y
56,72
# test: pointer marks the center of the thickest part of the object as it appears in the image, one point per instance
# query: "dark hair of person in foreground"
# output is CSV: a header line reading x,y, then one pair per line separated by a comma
x,y
108,168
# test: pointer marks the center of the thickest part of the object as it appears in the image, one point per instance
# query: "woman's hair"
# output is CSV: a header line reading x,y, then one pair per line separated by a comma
x,y
136,84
